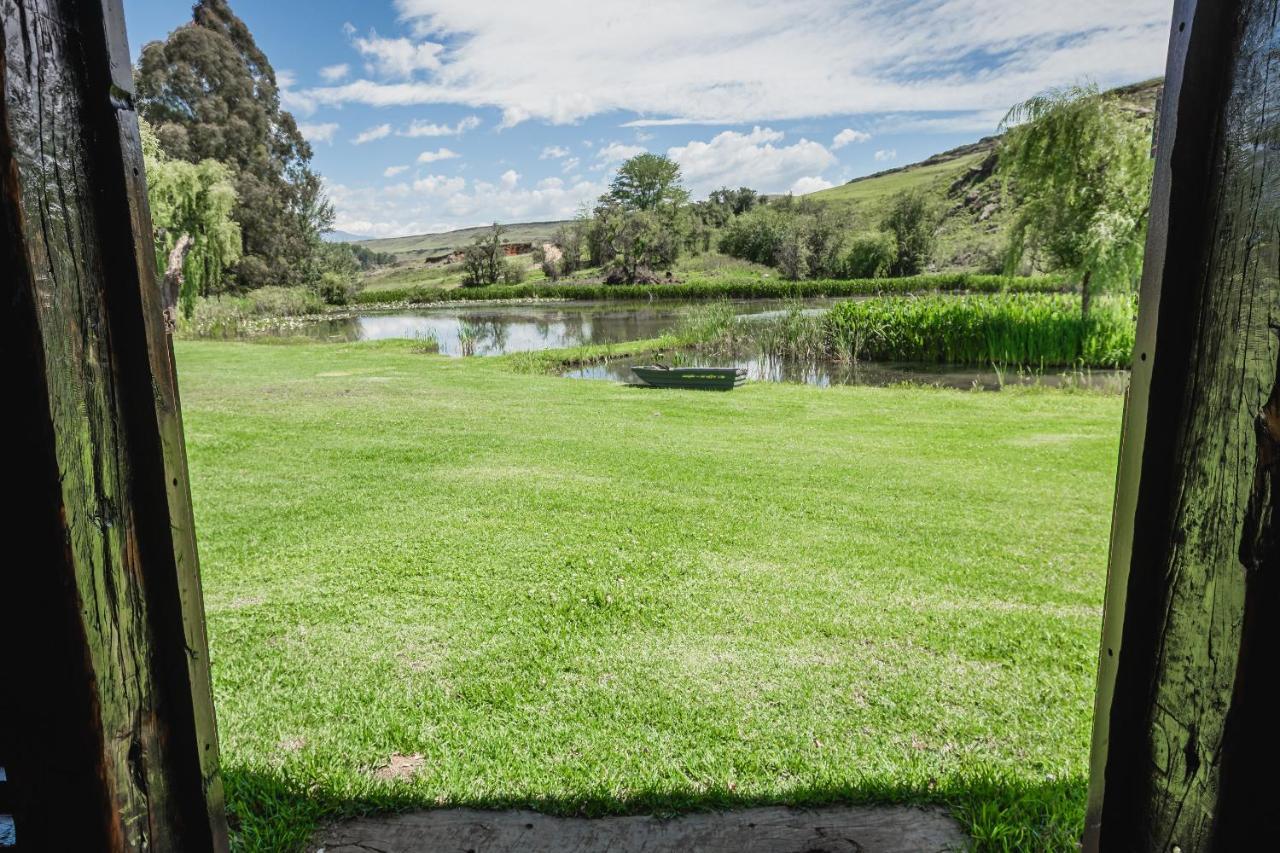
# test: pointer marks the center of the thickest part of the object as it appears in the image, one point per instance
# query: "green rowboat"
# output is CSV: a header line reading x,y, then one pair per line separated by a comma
x,y
699,378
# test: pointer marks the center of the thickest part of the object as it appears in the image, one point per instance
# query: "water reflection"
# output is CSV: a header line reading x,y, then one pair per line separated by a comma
x,y
494,330
826,373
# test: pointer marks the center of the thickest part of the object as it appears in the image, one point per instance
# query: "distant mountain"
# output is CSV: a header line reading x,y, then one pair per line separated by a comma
x,y
438,244
342,237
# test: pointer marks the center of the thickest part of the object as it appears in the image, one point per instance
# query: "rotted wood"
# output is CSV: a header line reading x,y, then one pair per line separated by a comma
x,y
107,699
1183,737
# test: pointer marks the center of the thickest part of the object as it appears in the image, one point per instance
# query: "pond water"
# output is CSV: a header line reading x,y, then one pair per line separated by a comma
x,y
498,329
825,373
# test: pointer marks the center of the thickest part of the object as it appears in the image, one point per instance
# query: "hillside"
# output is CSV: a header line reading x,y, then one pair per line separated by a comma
x,y
439,244
962,184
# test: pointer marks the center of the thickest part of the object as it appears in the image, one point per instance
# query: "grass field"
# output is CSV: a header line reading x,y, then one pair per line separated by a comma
x,y
590,598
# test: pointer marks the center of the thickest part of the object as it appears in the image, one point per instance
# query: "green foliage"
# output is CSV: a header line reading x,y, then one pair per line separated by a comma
x,y
1008,329
913,223
484,260
234,316
335,272
754,236
196,200
211,94
513,272
1080,168
570,240
748,285
647,182
633,243
871,255
802,240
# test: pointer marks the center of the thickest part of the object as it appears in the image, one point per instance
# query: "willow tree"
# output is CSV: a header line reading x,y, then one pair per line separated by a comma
x,y
196,239
1078,163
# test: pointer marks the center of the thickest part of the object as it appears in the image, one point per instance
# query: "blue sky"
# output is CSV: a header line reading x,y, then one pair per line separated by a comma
x,y
427,115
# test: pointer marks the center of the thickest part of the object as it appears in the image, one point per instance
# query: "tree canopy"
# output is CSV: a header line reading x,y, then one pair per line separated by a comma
x,y
194,200
211,94
1080,166
648,182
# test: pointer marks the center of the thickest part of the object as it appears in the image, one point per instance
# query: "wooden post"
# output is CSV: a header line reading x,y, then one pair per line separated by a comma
x,y
1184,737
107,733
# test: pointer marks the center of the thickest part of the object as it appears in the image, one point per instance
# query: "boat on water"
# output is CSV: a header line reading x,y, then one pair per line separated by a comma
x,y
698,378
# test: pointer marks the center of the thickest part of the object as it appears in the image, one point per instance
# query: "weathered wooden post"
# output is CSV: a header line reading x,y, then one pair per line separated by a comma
x,y
107,733
1184,743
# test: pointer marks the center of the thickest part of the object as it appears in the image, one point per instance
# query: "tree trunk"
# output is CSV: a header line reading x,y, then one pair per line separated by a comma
x,y
1184,745
173,281
1086,294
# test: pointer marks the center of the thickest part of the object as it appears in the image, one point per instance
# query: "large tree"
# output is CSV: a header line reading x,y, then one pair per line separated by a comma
x,y
1079,164
210,93
648,182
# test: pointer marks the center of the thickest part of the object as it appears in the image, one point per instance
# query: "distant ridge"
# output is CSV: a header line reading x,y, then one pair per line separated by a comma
x,y
447,241
342,237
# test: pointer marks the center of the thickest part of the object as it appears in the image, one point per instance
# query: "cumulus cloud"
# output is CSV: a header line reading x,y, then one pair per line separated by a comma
x,y
749,159
418,128
392,171
849,136
335,73
440,154
441,203
884,155
510,178
316,133
397,57
381,131
810,184
553,152
737,63
616,152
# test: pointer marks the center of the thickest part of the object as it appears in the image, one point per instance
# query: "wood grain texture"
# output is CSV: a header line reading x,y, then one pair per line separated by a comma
x,y
109,608
855,829
1203,541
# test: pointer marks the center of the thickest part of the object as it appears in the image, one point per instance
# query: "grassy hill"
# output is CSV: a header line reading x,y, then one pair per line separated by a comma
x,y
438,244
962,184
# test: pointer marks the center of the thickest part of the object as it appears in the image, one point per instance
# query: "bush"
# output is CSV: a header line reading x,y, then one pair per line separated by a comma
x,y
870,255
912,222
513,272
335,288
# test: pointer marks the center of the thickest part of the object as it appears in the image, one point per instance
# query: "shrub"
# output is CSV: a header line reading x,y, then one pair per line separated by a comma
x,y
513,272
871,255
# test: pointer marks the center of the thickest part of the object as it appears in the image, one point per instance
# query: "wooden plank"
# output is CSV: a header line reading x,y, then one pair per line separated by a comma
x,y
108,706
847,829
1192,589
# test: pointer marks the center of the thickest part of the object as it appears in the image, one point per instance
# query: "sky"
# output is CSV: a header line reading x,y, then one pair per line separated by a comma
x,y
429,115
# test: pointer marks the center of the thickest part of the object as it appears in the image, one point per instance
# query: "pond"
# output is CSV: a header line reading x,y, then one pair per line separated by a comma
x,y
497,329
825,373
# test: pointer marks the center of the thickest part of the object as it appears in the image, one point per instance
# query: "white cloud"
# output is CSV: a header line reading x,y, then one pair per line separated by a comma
x,y
335,73
316,133
439,185
418,128
381,131
616,152
440,203
849,136
397,57
553,152
298,103
735,62
392,171
510,178
749,159
810,184
440,154
570,164
884,155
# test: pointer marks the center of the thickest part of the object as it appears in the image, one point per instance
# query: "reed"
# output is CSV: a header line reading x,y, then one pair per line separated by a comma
x,y
733,286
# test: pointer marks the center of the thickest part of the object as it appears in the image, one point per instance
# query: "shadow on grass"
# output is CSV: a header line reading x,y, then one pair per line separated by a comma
x,y
1000,812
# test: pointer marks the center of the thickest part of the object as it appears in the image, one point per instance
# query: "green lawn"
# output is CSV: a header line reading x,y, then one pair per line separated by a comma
x,y
590,598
